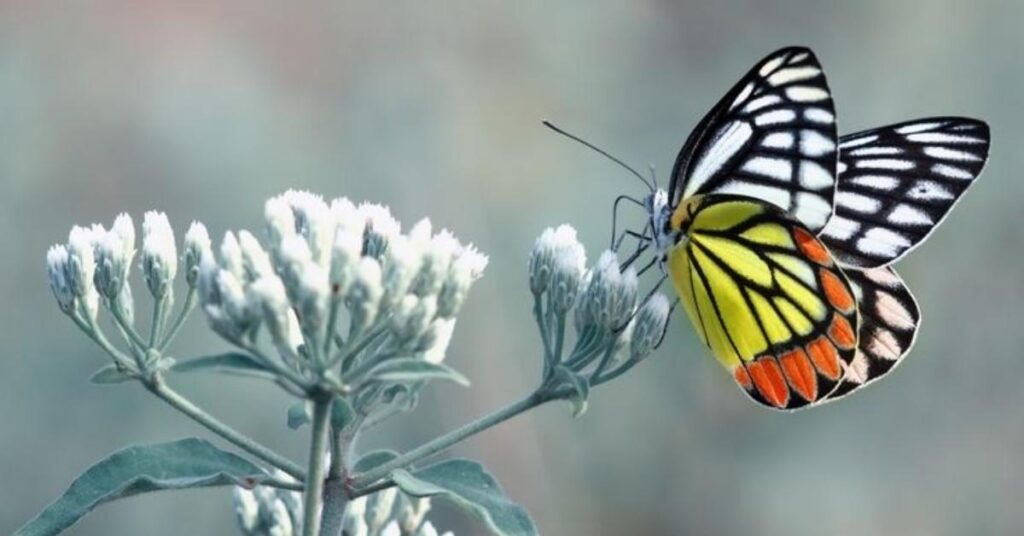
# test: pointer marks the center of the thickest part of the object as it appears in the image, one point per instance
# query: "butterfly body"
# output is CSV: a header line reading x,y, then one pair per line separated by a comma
x,y
764,191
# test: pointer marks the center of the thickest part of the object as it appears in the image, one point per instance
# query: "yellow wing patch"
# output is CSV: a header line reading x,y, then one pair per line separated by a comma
x,y
767,298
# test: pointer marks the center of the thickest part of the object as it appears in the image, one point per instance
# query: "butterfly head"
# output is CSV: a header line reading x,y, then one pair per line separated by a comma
x,y
660,214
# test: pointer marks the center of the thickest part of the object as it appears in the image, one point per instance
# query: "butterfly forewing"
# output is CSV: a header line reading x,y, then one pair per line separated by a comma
x,y
772,137
889,319
766,296
896,184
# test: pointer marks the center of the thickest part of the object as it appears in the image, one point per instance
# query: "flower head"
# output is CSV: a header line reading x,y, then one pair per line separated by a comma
x,y
57,260
197,247
557,248
159,254
649,326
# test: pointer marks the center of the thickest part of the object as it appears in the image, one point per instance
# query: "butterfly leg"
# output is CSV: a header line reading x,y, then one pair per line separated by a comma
x,y
617,239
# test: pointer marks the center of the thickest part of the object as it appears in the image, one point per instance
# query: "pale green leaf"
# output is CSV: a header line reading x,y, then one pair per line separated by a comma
x,y
373,459
186,463
227,363
298,415
413,370
110,374
580,387
466,484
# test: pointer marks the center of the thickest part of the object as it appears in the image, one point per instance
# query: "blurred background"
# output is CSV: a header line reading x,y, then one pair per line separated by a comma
x,y
205,109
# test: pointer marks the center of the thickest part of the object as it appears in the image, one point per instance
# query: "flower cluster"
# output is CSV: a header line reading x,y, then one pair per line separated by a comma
x,y
266,511
614,329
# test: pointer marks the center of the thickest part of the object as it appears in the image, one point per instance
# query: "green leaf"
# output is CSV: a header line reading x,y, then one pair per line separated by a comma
x,y
187,463
111,374
466,484
580,389
409,369
227,363
373,459
298,415
341,413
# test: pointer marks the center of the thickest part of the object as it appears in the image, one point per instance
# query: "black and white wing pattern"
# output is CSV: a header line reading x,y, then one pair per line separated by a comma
x,y
889,318
896,184
772,137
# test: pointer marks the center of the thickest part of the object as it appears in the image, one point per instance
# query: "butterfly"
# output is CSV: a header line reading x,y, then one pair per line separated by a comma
x,y
777,234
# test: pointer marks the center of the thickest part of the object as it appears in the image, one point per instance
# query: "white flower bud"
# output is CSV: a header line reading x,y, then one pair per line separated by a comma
x,y
255,261
159,254
412,512
247,510
440,333
57,269
401,264
124,302
464,271
294,258
437,259
649,326
125,230
81,260
235,301
610,295
363,296
565,283
315,222
412,317
281,520
268,292
280,220
347,217
197,247
391,529
112,265
312,297
379,508
347,250
381,228
231,255
555,243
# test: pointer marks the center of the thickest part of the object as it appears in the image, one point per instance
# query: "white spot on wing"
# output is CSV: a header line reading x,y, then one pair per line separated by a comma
x,y
884,345
874,151
930,190
813,176
858,203
876,182
743,95
907,215
857,370
761,102
770,65
778,140
792,74
846,144
774,117
806,93
952,172
840,228
885,163
917,127
883,277
776,196
774,168
944,153
812,143
797,58
882,242
819,115
891,311
941,137
812,209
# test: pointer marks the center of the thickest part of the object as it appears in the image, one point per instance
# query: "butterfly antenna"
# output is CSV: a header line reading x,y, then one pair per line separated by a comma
x,y
602,152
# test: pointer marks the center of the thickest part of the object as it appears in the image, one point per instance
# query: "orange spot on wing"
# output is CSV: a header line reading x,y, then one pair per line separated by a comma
x,y
800,374
841,333
836,291
769,381
825,357
810,246
742,377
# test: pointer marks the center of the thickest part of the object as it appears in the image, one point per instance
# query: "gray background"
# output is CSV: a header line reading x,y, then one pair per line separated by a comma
x,y
434,108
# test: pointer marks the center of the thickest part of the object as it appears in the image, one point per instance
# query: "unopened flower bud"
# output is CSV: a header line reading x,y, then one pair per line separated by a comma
x,y
57,270
464,271
354,523
159,254
294,258
566,275
411,513
247,510
649,326
255,261
554,243
81,260
112,265
269,294
281,520
610,294
126,304
436,340
312,298
412,317
381,228
197,247
347,217
315,222
125,230
363,296
378,508
427,529
436,260
347,250
231,258
280,220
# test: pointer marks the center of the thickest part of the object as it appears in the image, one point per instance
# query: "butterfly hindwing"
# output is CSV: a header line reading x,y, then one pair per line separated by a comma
x,y
897,183
766,296
772,137
889,319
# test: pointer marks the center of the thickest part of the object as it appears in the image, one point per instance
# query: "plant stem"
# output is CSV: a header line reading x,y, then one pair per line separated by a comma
x,y
182,404
133,335
443,442
190,302
315,480
158,318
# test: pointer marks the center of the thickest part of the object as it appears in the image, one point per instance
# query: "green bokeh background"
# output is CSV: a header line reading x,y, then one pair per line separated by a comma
x,y
434,108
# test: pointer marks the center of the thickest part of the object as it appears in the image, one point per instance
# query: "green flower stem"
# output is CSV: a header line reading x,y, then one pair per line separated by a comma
x,y
159,308
186,309
126,326
335,495
157,386
89,327
317,448
273,364
356,344
443,442
538,314
332,319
